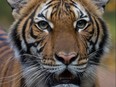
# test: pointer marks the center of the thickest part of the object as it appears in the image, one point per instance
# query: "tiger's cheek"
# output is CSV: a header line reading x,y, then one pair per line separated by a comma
x,y
87,35
47,53
88,32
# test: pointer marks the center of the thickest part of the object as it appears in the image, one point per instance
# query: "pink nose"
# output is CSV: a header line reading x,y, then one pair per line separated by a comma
x,y
66,58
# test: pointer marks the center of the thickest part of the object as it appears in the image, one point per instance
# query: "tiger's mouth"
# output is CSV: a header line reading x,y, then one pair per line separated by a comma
x,y
65,78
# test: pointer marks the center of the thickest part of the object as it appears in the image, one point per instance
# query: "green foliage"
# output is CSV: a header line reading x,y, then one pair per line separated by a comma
x,y
111,21
5,14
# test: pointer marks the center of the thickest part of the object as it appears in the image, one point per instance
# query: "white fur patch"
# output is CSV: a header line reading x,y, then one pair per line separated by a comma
x,y
66,85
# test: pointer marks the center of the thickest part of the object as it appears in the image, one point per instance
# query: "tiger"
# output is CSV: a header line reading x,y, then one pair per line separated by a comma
x,y
58,43
9,66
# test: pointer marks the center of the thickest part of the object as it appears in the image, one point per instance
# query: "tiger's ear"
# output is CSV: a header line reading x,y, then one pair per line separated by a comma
x,y
16,5
100,4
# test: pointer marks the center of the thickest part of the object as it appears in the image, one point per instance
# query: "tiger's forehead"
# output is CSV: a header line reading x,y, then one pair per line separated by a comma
x,y
60,8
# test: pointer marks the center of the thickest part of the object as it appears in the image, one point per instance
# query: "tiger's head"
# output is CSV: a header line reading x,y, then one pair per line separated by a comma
x,y
58,42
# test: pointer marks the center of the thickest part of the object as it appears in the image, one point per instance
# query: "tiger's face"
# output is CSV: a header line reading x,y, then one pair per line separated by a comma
x,y
59,42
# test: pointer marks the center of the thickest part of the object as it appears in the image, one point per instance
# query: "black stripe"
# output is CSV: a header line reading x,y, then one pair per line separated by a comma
x,y
32,21
35,44
41,49
24,33
32,34
4,44
103,42
48,7
92,32
81,13
15,38
3,35
24,28
73,3
42,16
49,2
105,33
3,39
98,31
93,44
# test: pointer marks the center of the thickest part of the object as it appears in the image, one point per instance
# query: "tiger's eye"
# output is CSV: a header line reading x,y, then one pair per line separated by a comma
x,y
81,24
43,25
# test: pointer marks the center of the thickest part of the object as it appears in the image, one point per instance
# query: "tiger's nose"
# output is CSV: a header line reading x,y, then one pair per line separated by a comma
x,y
66,58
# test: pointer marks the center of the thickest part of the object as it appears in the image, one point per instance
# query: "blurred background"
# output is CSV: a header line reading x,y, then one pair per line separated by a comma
x,y
110,17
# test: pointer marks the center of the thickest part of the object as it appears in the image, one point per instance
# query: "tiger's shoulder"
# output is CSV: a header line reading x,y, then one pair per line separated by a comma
x,y
9,66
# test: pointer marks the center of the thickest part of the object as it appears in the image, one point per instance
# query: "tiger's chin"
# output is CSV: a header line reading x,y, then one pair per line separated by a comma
x,y
66,85
65,79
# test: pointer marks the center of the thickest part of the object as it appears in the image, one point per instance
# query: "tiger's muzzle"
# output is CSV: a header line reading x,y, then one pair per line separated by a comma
x,y
65,78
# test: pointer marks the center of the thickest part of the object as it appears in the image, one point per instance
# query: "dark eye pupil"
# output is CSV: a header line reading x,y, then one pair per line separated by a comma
x,y
81,24
43,23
